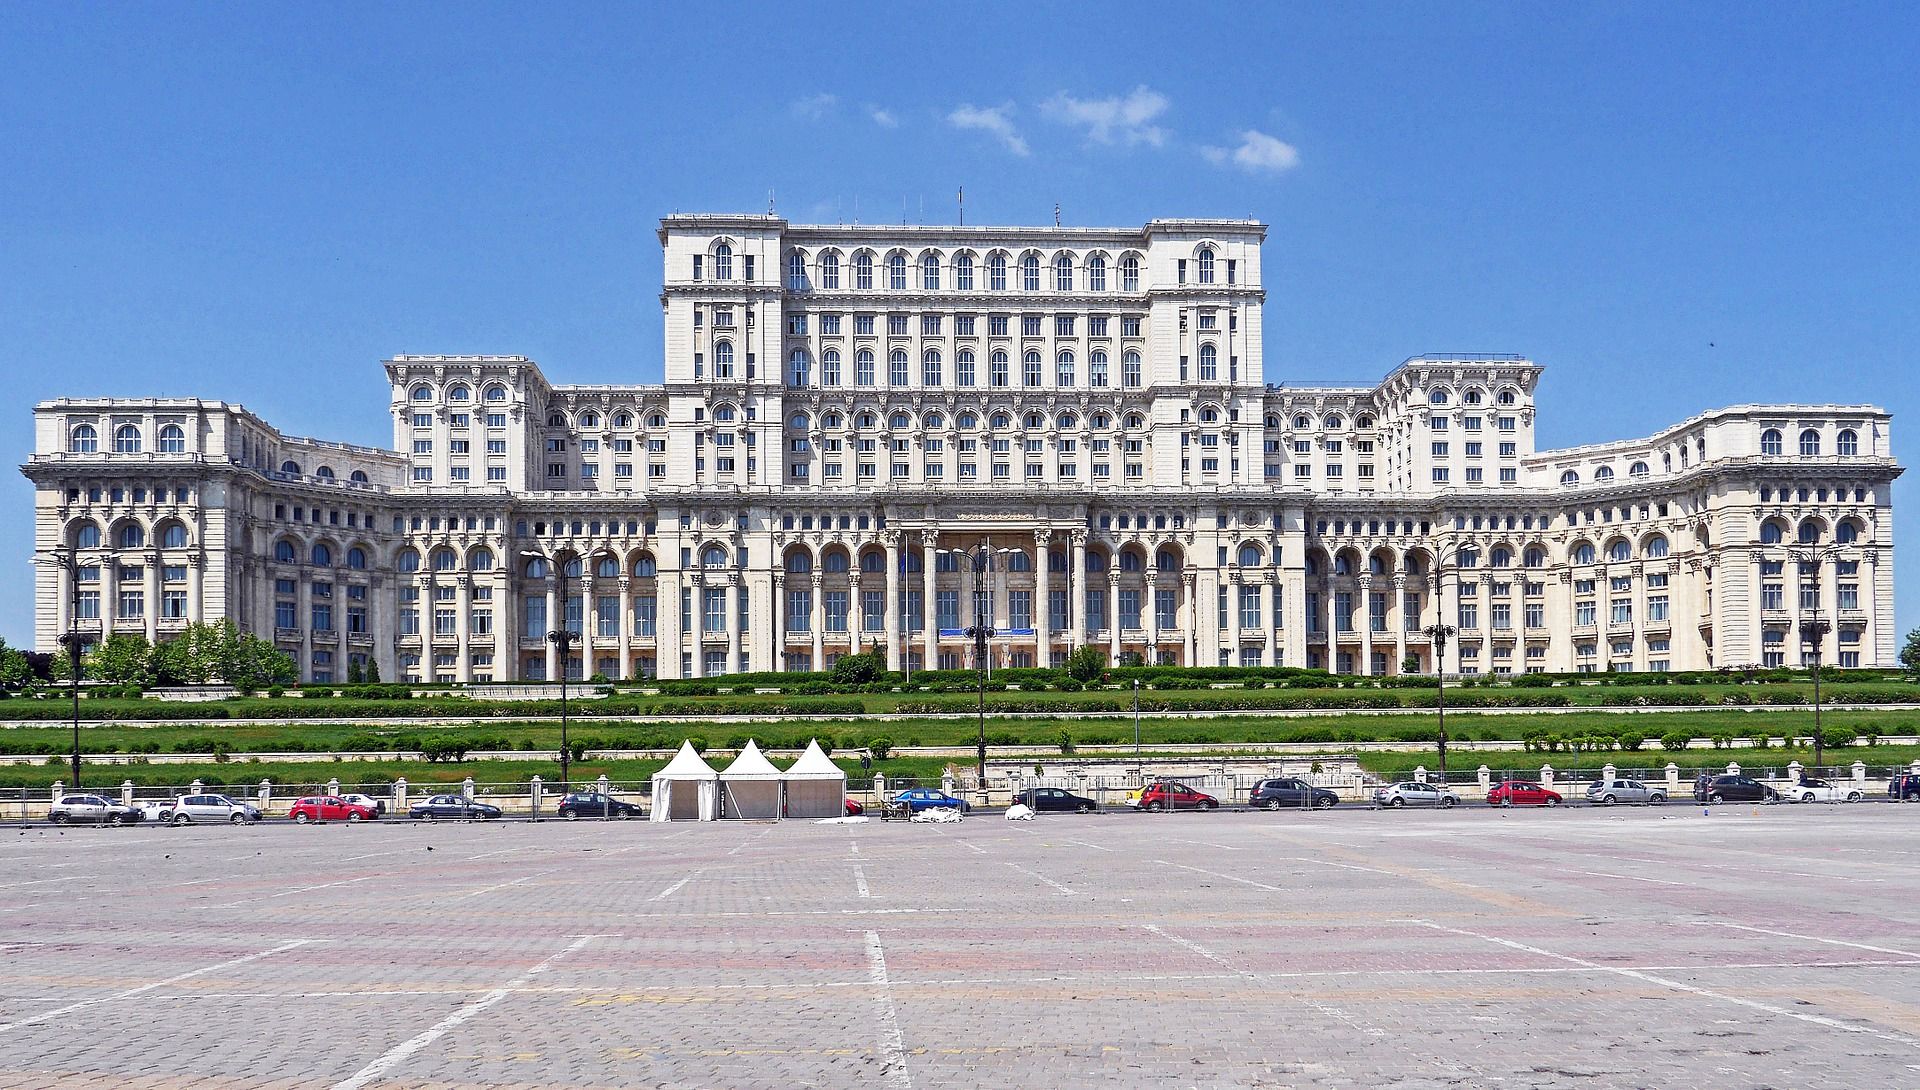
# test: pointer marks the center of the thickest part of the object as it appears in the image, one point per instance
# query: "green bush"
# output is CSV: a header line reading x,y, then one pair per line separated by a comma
x,y
881,748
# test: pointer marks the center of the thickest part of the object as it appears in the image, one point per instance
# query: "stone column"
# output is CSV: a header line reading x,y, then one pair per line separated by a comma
x,y
891,608
1397,624
1113,613
930,630
462,629
856,619
697,638
1333,619
110,594
1077,589
1270,591
626,626
1042,613
304,618
150,565
1234,632
733,585
589,618
1755,645
817,625
1640,622
1364,593
1560,621
555,622
196,576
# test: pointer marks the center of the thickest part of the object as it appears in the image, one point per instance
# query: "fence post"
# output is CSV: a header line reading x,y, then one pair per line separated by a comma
x,y
126,792
1673,779
1546,775
946,782
333,786
466,787
1607,771
195,788
1859,774
59,788
603,785
266,794
399,794
1733,768
1420,774
533,792
880,787
1795,772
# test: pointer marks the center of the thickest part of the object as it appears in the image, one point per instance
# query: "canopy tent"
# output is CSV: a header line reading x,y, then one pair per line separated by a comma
x,y
750,786
816,787
687,789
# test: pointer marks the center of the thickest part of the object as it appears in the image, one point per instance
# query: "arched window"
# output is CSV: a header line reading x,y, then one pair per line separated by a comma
x,y
358,476
723,262
1130,561
723,359
1209,363
1569,478
1030,272
357,558
897,367
873,562
930,272
290,468
83,440
899,422
1500,557
458,393
1809,532
1770,441
863,271
1618,550
963,272
126,439
1583,553
997,272
933,421
930,368
1097,369
1809,442
643,565
1130,273
1469,558
863,367
606,567
173,439
407,561
572,568
1438,396
1063,272
1847,443
1604,473
283,552
830,367
830,270
86,536
723,414
1637,469
1332,421
1096,273
897,272
1847,532
173,536
445,560
325,473
537,567
713,557
1166,561
796,271
322,555
1130,370
1656,547
132,536
1506,397
1030,371
496,392
589,419
1536,557
799,370
1249,556
1772,533
835,561
556,419
480,559
1063,369
423,393
1206,264
1472,397
799,563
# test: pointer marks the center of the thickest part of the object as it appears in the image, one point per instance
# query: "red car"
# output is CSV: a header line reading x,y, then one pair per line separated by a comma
x,y
329,808
854,809
1171,795
1521,793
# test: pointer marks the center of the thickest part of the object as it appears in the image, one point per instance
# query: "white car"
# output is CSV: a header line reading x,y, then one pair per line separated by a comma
x,y
1810,789
188,809
378,806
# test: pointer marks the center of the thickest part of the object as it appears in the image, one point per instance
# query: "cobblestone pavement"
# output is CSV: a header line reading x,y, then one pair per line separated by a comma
x,y
1749,947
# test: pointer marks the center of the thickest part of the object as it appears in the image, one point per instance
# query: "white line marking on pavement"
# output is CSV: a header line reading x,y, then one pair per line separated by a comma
x,y
1318,862
50,881
1228,877
503,885
1810,938
893,1047
499,851
1195,947
1331,1012
1209,844
860,881
1622,877
974,846
1087,844
672,889
413,1044
1678,985
376,855
323,885
204,881
145,988
1059,890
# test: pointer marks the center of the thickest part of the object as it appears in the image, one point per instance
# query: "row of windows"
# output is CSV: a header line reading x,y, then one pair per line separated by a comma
x,y
127,439
1846,444
1030,271
130,535
1033,371
968,420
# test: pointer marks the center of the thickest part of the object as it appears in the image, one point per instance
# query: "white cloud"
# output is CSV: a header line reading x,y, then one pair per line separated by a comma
x,y
883,117
815,107
1125,119
994,120
1257,152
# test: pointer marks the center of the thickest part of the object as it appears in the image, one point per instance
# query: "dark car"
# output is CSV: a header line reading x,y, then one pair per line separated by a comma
x,y
1904,786
926,798
1733,789
594,804
1282,794
1054,800
457,807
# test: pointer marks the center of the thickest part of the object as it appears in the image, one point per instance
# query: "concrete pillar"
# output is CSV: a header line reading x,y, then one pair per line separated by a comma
x,y
466,787
1270,594
535,791
818,623
890,609
400,795
1189,618
1795,772
1150,616
1546,776
734,587
1234,630
1042,611
463,629
1113,613
150,561
554,623
126,792
1077,589
1365,623
1485,776
626,627
930,632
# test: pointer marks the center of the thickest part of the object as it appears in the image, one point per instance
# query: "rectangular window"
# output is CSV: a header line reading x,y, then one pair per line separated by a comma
x,y
1129,609
835,602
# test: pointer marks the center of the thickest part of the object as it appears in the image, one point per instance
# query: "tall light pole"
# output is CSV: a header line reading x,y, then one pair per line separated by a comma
x,y
1814,626
981,633
1136,720
70,561
562,636
1439,634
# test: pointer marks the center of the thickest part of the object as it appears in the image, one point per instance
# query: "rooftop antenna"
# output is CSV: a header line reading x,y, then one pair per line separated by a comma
x,y
856,209
903,209
1056,213
769,202
963,206
923,209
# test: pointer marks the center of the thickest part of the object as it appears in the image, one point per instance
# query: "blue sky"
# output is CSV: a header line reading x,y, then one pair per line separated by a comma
x,y
1672,207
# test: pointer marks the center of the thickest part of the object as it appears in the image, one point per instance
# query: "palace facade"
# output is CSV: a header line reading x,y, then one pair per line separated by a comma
x,y
866,433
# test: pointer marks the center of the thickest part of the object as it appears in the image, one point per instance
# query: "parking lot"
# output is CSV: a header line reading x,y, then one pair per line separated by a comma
x,y
1746,947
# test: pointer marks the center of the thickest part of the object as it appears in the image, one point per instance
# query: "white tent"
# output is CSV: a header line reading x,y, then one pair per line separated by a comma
x,y
750,785
686,790
816,787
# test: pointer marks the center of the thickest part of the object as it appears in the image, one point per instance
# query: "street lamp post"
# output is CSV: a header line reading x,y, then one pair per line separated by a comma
x,y
1136,720
1439,634
981,633
1814,626
562,637
71,638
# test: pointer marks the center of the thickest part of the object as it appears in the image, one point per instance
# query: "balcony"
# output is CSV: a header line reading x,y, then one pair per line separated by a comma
x,y
290,635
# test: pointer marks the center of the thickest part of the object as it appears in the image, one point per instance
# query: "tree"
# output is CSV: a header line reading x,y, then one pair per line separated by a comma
x,y
860,669
14,668
121,659
354,676
1086,664
373,672
1410,665
219,651
1910,654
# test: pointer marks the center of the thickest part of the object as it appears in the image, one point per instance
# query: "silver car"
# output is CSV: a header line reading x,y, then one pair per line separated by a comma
x,y
91,810
188,809
1415,793
1609,792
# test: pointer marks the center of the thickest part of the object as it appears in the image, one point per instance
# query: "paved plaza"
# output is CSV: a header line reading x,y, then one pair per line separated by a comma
x,y
1749,947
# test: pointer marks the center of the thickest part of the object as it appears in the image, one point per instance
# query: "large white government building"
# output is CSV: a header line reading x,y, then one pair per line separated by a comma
x,y
848,409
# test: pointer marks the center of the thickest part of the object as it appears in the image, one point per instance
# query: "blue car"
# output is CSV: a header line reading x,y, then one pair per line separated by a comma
x,y
926,798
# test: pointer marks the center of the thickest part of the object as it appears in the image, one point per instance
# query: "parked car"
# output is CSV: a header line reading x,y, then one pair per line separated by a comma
x,y
1283,794
377,805
159,811
456,807
328,808
1810,789
854,809
1414,793
1729,788
92,810
188,809
1054,800
1522,793
917,799
1173,795
592,804
1610,792
1904,786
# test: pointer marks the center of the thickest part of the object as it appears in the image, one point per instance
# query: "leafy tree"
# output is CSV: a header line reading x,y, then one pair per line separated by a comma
x,y
354,676
860,669
121,659
14,668
1910,654
373,672
1086,664
1411,665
